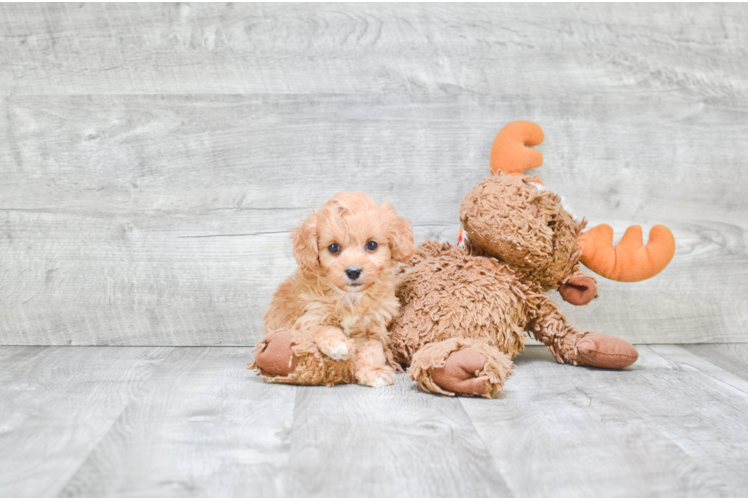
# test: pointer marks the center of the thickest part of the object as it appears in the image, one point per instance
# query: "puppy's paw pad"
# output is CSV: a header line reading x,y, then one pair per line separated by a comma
x,y
335,350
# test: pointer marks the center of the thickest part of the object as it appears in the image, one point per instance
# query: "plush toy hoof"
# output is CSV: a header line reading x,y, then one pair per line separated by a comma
x,y
606,351
459,373
277,357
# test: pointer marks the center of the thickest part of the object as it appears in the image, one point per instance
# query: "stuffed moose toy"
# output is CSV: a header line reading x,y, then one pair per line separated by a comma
x,y
465,309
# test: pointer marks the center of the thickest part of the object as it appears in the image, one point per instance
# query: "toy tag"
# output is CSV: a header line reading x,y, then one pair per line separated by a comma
x,y
460,239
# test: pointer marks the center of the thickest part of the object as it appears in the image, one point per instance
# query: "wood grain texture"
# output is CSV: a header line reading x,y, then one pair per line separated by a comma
x,y
732,358
204,427
671,425
153,157
363,442
116,421
57,404
489,49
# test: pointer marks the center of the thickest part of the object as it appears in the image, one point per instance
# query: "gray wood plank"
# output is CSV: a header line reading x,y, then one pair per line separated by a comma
x,y
715,374
120,213
57,404
497,49
115,421
394,441
139,279
658,428
175,154
732,358
205,426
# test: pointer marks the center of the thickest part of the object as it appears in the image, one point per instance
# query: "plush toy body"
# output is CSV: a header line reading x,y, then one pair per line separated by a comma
x,y
465,311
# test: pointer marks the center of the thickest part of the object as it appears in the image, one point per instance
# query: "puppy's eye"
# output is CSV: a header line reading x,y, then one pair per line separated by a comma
x,y
371,246
334,248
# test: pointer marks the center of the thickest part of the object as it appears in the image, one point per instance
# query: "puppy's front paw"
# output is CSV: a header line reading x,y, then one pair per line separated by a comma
x,y
334,349
382,381
376,377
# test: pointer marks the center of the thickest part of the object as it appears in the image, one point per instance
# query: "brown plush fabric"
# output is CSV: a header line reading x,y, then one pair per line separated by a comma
x,y
446,292
499,219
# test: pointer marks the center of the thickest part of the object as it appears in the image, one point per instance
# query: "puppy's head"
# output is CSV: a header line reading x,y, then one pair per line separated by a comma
x,y
352,240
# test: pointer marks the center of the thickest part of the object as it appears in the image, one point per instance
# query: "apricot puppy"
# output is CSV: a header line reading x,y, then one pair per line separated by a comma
x,y
327,323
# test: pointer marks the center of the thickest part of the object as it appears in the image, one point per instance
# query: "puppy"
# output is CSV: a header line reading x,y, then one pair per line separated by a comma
x,y
343,294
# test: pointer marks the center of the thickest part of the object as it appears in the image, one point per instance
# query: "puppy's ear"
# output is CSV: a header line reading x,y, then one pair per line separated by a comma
x,y
305,249
402,245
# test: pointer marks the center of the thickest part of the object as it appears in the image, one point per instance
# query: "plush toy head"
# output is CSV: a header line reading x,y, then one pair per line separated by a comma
x,y
513,218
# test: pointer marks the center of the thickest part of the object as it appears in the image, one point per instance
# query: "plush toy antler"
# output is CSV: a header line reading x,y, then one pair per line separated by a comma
x,y
630,259
510,152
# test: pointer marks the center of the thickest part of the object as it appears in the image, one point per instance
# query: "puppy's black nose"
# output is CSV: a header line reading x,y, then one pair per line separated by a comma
x,y
353,272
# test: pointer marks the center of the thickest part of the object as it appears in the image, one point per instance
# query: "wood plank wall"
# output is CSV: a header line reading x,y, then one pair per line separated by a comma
x,y
153,157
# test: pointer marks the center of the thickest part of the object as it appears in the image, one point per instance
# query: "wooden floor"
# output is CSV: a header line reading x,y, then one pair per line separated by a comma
x,y
191,421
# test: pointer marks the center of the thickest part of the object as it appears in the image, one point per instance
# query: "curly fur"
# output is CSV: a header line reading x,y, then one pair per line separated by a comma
x,y
520,242
339,324
446,290
509,217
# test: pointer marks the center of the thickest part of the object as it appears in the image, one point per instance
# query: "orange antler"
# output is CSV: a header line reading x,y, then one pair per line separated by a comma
x,y
629,260
509,152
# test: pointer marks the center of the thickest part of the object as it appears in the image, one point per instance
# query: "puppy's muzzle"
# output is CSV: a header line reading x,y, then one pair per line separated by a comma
x,y
353,273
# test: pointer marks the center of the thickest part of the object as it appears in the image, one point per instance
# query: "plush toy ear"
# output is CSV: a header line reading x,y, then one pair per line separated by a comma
x,y
305,248
402,246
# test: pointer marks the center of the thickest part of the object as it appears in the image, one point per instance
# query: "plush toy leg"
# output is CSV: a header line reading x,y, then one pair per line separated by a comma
x,y
468,367
292,357
572,346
